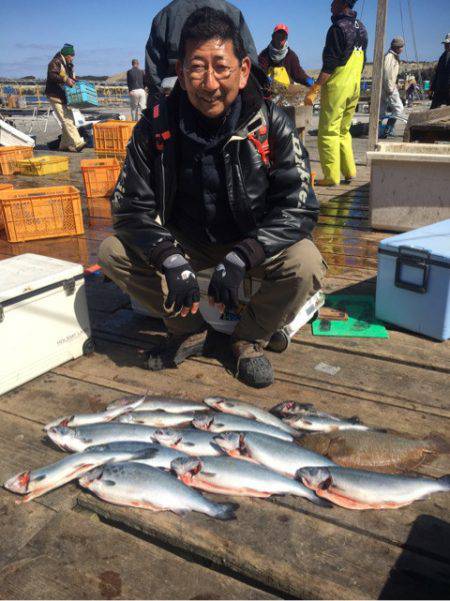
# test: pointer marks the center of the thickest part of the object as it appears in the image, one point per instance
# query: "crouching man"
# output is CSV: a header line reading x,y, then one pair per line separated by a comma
x,y
215,176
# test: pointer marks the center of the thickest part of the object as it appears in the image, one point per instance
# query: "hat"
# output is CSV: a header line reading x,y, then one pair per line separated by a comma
x,y
398,42
68,50
446,40
281,27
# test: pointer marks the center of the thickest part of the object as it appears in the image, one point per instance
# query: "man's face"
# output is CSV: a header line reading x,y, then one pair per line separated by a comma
x,y
279,39
398,49
69,58
212,75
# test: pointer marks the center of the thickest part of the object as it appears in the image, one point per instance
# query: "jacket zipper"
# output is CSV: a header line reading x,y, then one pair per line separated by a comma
x,y
163,178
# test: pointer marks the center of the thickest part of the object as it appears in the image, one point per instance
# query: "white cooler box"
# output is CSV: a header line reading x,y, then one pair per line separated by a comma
x,y
44,318
413,283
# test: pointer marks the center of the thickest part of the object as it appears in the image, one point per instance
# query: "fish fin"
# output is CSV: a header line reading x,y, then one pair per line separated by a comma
x,y
209,474
39,478
438,443
108,482
226,511
219,424
189,444
320,502
445,480
86,439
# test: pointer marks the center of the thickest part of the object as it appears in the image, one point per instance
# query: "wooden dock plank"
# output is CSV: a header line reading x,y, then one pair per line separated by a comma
x,y
297,554
75,556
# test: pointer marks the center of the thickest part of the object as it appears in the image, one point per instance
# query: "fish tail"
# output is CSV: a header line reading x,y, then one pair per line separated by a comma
x,y
438,444
226,511
445,481
319,501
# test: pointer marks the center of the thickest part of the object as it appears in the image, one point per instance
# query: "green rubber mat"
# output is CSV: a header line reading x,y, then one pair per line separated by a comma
x,y
361,321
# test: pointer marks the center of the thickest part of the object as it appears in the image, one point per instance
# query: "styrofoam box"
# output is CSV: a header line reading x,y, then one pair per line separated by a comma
x,y
413,283
11,136
44,318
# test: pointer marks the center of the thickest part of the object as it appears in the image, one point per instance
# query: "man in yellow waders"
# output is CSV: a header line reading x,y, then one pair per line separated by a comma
x,y
339,83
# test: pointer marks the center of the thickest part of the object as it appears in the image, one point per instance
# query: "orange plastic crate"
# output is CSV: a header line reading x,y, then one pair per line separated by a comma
x,y
99,208
120,156
10,155
37,213
112,136
100,176
4,187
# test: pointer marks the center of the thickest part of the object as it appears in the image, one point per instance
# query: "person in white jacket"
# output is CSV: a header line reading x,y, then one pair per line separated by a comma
x,y
390,97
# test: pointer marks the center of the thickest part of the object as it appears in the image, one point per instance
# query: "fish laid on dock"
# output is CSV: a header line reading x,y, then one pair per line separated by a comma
x,y
375,450
234,423
277,455
167,404
85,419
228,476
34,483
79,439
191,442
136,485
242,409
317,423
157,419
358,489
292,408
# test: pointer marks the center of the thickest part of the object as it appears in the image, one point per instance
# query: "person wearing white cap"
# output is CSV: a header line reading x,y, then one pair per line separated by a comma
x,y
440,86
390,97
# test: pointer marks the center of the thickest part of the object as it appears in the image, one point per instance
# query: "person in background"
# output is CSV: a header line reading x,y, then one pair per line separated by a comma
x,y
200,188
411,91
339,84
60,73
390,96
161,50
280,63
440,86
135,83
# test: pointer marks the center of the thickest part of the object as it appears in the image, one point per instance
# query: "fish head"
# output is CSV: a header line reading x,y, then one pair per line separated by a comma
x,y
233,443
219,403
316,478
126,418
19,483
167,437
87,479
67,439
131,401
203,422
288,408
61,421
186,467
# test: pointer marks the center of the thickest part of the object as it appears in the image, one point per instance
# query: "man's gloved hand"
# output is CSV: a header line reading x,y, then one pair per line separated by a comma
x,y
309,82
226,279
312,94
184,293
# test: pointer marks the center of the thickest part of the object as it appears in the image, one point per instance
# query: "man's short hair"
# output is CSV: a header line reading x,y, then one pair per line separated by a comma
x,y
135,61
207,24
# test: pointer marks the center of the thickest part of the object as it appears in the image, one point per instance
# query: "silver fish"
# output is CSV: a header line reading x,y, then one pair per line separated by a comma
x,y
234,423
249,411
277,455
292,408
85,419
157,419
228,476
317,423
359,489
162,457
79,439
34,483
191,442
137,485
167,404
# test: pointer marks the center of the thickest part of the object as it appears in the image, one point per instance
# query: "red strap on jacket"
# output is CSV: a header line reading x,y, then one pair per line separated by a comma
x,y
160,139
261,143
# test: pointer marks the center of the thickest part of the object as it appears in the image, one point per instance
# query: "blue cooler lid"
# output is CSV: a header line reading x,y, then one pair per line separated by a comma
x,y
433,239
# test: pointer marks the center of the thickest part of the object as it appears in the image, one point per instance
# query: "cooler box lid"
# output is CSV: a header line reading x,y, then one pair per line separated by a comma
x,y
28,273
433,240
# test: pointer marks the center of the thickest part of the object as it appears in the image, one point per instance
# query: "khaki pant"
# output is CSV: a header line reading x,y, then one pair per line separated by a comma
x,y
138,102
288,280
70,135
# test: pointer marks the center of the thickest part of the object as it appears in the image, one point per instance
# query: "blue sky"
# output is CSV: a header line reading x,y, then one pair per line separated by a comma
x,y
108,34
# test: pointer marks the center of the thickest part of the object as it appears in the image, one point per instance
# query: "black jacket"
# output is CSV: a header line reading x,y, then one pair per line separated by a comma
x,y
161,50
273,207
57,73
345,34
441,81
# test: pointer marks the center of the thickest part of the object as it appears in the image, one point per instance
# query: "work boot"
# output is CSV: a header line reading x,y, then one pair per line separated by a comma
x,y
279,341
175,349
326,182
252,366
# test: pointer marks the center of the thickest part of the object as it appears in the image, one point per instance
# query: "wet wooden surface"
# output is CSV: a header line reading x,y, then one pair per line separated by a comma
x,y
286,546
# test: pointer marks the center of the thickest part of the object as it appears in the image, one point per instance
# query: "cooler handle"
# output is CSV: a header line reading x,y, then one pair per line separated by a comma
x,y
412,257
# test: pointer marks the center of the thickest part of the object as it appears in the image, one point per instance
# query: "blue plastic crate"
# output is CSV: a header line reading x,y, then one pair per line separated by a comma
x,y
82,95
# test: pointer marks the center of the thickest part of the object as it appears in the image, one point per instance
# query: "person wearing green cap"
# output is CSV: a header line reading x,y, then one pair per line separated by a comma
x,y
60,73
